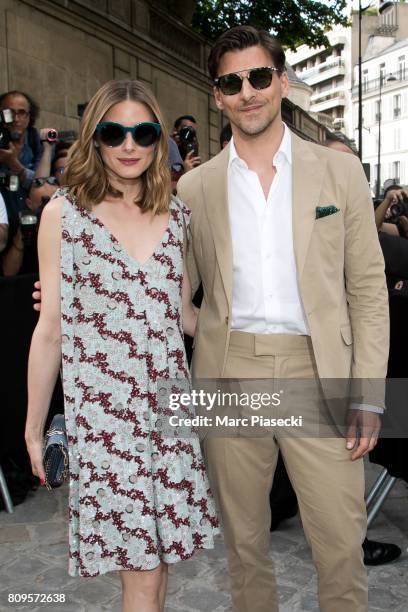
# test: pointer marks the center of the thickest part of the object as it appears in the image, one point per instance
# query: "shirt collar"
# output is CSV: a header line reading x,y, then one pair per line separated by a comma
x,y
285,150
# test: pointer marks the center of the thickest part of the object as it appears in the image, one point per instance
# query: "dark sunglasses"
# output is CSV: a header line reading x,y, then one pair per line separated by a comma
x,y
113,134
260,78
39,182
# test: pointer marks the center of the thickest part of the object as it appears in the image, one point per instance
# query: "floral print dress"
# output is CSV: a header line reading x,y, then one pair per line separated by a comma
x,y
136,497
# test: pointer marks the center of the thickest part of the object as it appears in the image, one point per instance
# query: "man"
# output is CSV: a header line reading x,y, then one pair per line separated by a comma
x,y
295,296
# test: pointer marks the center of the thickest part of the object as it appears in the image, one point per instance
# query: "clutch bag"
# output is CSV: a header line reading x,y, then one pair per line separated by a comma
x,y
55,453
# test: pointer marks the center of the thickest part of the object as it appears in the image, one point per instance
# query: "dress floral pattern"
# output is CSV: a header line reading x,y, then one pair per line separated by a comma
x,y
135,496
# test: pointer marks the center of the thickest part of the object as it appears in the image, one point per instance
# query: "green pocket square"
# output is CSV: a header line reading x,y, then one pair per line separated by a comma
x,y
324,211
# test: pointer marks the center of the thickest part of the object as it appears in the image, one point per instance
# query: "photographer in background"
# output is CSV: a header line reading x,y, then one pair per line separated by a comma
x,y
20,150
185,135
391,215
3,224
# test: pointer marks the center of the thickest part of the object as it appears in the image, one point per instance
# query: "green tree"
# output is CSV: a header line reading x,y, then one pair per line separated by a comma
x,y
293,21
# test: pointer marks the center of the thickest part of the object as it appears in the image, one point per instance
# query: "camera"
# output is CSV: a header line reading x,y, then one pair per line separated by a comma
x,y
54,136
187,141
29,222
6,117
398,209
9,181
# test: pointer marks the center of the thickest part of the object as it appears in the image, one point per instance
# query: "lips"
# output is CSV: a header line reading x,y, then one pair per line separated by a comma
x,y
247,109
129,161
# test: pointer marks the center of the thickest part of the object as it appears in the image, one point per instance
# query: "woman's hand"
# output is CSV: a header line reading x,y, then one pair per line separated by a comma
x,y
35,451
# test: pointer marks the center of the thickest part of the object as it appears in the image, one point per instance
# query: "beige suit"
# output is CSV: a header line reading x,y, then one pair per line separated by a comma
x,y
342,285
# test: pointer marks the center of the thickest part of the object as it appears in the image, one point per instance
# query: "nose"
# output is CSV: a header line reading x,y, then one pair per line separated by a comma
x,y
247,91
129,143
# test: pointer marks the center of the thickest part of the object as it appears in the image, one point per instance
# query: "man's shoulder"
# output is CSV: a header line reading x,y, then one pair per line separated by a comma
x,y
190,184
331,156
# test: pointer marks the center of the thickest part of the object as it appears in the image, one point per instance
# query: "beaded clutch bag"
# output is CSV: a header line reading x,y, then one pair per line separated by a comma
x,y
55,453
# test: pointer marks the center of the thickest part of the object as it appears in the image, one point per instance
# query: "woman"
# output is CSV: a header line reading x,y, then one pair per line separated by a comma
x,y
114,288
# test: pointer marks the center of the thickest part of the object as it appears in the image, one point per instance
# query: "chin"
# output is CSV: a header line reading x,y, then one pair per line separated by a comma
x,y
128,173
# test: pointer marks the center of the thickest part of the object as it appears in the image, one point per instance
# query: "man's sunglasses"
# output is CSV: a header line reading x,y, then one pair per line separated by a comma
x,y
113,134
39,182
260,78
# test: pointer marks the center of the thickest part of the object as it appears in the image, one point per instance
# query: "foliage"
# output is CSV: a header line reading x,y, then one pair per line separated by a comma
x,y
293,21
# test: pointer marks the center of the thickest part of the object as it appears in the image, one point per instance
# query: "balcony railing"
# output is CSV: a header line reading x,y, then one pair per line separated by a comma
x,y
305,74
374,84
323,97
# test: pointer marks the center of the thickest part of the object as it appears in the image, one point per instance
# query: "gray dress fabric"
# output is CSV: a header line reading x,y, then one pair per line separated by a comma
x,y
135,496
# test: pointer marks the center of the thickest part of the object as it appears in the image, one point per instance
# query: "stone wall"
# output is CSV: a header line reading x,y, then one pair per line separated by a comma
x,y
61,51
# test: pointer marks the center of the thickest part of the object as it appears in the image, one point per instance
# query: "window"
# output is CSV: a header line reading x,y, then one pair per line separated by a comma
x,y
396,167
401,67
382,73
365,80
377,110
396,104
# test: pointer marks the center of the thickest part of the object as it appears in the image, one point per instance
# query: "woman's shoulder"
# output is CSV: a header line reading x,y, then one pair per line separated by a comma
x,y
178,204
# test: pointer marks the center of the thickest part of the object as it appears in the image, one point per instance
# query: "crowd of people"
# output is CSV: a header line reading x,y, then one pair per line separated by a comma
x,y
128,318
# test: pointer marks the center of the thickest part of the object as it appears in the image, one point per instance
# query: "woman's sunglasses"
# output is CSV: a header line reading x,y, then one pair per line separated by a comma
x,y
260,78
39,182
113,134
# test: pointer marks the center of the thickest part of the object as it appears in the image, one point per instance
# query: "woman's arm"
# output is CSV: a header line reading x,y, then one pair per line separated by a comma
x,y
45,351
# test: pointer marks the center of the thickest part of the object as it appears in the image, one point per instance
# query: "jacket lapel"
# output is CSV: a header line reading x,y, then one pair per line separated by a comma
x,y
215,185
308,172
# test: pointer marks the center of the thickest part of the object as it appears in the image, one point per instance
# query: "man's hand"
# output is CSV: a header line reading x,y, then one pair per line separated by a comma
x,y
363,428
37,296
191,162
393,196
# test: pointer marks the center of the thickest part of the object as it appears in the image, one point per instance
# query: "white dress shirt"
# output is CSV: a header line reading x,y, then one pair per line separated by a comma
x,y
3,211
265,297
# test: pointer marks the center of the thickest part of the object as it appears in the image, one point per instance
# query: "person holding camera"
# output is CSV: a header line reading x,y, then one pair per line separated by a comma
x,y
20,148
185,135
391,215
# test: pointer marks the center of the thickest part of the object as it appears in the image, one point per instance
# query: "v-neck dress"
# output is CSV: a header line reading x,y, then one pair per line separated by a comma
x,y
135,496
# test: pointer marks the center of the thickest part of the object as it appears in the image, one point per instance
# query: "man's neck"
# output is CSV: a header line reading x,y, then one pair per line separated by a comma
x,y
259,151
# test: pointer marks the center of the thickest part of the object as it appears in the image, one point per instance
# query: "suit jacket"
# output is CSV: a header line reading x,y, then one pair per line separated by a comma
x,y
339,263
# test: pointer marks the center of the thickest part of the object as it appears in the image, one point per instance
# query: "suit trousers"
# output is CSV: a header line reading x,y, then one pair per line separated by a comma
x,y
329,487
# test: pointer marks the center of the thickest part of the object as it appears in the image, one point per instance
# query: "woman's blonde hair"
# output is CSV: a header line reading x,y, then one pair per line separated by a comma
x,y
86,176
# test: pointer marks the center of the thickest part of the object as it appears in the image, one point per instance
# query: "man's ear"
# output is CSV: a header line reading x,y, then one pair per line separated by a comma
x,y
284,84
218,98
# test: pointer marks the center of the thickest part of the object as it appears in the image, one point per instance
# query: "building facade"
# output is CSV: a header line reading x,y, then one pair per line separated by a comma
x,y
328,71
385,113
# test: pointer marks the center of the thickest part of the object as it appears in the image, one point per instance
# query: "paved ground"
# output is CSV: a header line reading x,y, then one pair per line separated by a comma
x,y
33,559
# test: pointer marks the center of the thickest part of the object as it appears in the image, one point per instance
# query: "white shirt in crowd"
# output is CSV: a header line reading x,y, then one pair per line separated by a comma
x,y
3,211
265,297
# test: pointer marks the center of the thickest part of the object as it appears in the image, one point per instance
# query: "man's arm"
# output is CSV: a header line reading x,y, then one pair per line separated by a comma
x,y
185,191
366,289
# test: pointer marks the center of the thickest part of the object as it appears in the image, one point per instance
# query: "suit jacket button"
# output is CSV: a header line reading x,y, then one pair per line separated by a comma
x,y
226,320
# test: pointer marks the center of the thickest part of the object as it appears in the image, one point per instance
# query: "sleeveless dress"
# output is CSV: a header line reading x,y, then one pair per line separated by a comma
x,y
135,496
